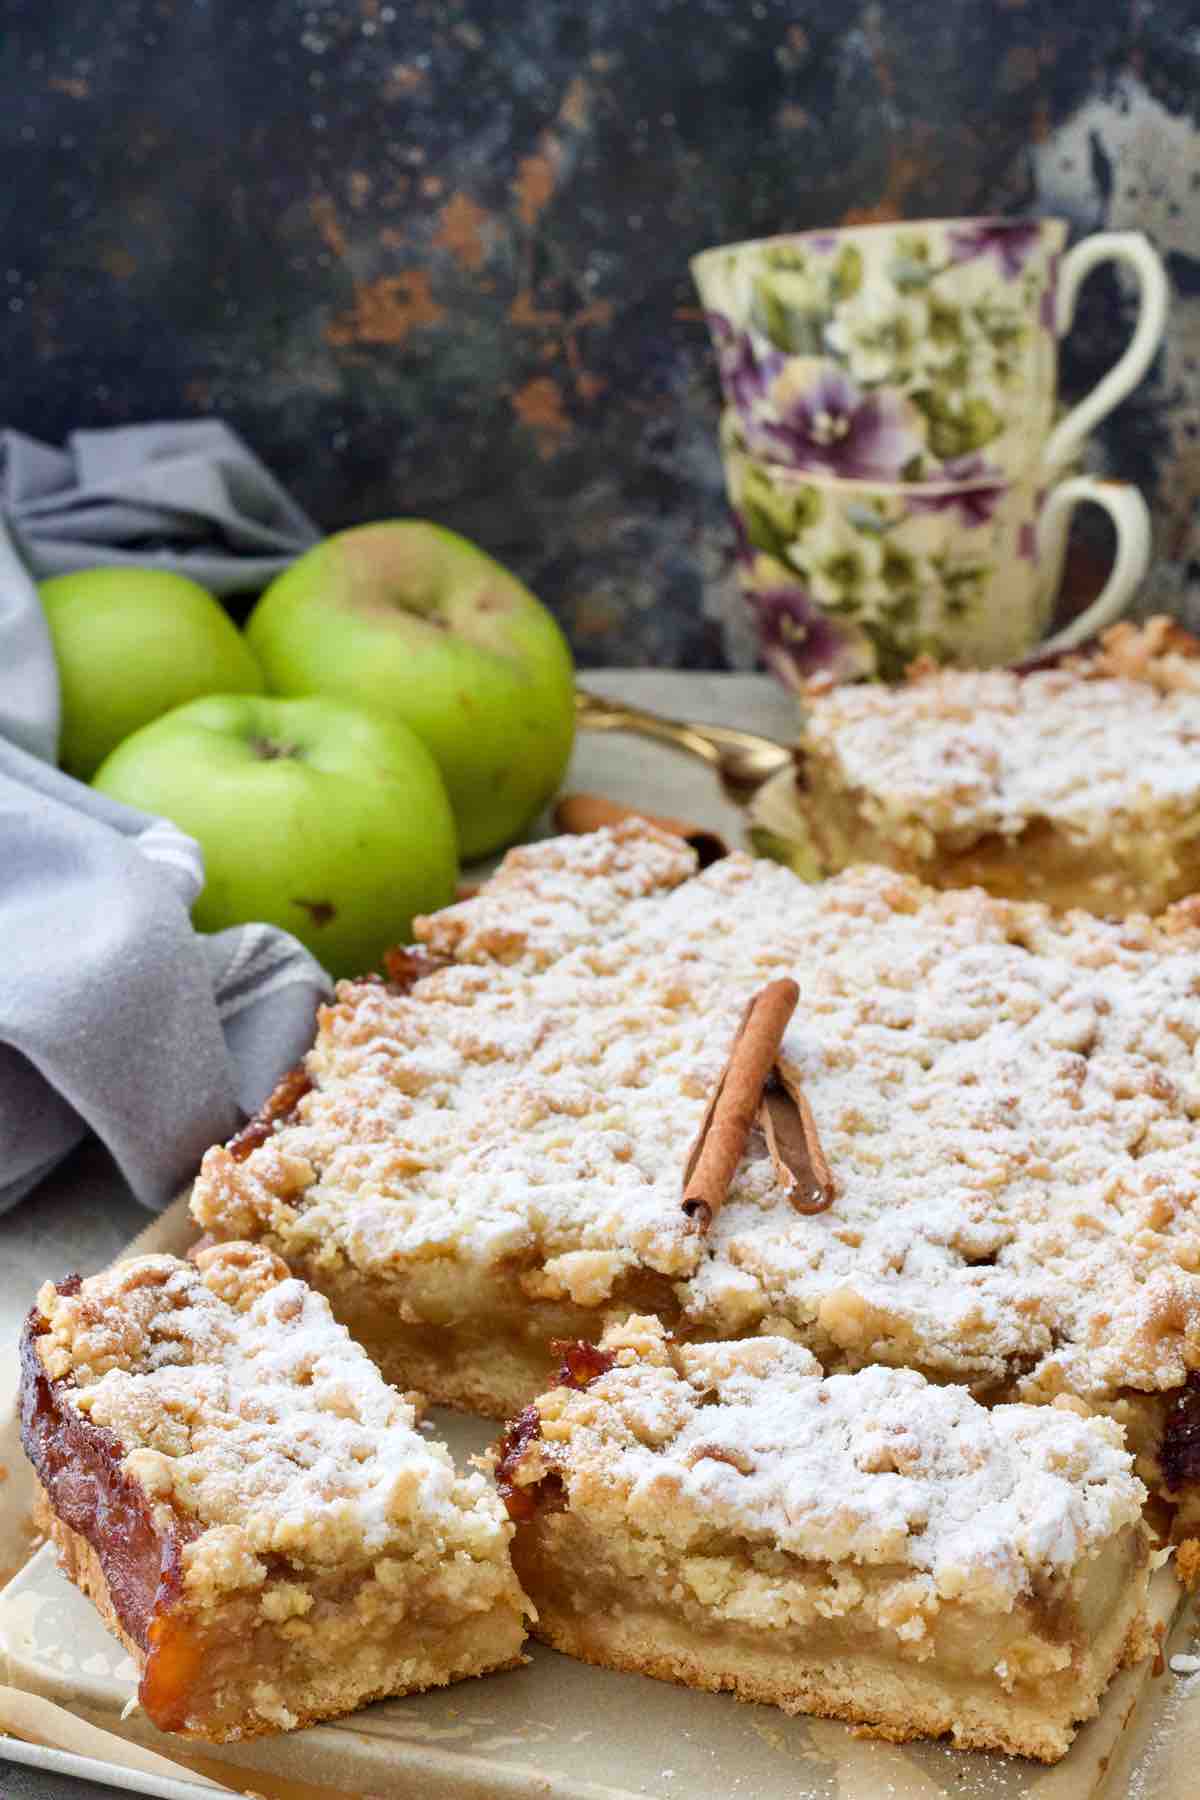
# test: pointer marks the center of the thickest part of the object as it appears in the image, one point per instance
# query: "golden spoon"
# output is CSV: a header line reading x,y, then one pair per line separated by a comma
x,y
741,759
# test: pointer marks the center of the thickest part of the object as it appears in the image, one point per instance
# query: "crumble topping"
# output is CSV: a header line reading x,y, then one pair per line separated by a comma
x,y
546,899
1007,1099
241,1405
696,1444
1094,747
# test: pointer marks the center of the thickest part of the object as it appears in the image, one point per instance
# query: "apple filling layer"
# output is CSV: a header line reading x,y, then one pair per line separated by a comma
x,y
866,1547
493,1350
249,1504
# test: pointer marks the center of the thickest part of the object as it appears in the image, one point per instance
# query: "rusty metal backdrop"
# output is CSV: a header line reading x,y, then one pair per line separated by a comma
x,y
430,255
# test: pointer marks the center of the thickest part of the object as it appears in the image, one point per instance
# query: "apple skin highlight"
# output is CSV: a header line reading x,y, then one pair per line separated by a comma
x,y
418,624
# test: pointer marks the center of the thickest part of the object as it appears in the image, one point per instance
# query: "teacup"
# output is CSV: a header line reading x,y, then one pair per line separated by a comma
x,y
916,352
848,579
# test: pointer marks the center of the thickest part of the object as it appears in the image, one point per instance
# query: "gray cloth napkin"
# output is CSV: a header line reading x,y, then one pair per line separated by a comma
x,y
187,496
115,1016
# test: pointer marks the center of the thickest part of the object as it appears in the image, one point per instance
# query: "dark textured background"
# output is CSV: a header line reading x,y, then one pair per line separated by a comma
x,y
431,257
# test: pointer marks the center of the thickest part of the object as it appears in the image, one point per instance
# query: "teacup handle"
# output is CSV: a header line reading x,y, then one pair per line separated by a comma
x,y
1065,441
1131,517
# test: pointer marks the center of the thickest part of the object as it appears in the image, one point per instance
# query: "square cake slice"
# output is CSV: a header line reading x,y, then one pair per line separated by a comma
x,y
868,1547
1076,785
249,1505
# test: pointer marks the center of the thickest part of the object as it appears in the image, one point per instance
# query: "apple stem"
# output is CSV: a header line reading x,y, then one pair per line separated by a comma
x,y
269,751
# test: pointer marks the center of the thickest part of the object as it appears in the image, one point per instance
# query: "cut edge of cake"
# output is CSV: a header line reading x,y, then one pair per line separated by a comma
x,y
250,1508
937,796
662,1530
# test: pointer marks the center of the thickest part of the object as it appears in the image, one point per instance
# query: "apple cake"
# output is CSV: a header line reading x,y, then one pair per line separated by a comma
x,y
1076,785
868,1546
248,1503
490,1150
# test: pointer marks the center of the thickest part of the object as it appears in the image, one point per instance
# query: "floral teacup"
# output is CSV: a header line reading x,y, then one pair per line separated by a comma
x,y
858,578
916,352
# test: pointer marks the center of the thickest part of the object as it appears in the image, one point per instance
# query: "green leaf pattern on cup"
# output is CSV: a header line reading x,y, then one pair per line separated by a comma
x,y
957,425
847,273
772,519
852,563
900,572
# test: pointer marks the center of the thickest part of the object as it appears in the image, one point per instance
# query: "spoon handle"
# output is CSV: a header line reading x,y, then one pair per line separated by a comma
x,y
593,713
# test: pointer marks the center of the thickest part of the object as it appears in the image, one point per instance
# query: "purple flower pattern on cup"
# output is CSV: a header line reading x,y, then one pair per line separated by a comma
x,y
744,377
977,494
1048,305
1010,241
835,427
743,549
1027,536
798,640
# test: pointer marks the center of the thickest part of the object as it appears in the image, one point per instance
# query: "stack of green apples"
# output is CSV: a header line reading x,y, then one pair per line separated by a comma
x,y
398,701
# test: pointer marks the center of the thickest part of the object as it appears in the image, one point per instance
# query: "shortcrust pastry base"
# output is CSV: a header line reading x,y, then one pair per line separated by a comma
x,y
897,1702
804,1671
340,1681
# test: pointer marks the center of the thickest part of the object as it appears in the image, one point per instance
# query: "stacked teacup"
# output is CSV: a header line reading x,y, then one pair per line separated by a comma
x,y
891,454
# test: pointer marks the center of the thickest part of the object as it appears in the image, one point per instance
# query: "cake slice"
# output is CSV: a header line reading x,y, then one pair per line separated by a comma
x,y
868,1547
248,1504
1076,785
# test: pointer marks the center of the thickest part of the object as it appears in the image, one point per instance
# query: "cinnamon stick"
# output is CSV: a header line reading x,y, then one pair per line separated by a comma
x,y
721,1140
795,1148
577,813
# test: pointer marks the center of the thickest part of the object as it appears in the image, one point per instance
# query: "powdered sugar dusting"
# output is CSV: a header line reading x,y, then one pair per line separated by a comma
x,y
967,752
880,1467
1007,1099
241,1403
1166,1765
546,899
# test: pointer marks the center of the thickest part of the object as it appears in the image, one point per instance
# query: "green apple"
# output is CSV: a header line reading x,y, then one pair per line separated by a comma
x,y
415,622
314,815
130,645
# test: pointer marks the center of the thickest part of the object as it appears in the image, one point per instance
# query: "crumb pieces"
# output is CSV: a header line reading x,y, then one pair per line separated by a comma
x,y
1086,744
238,1398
